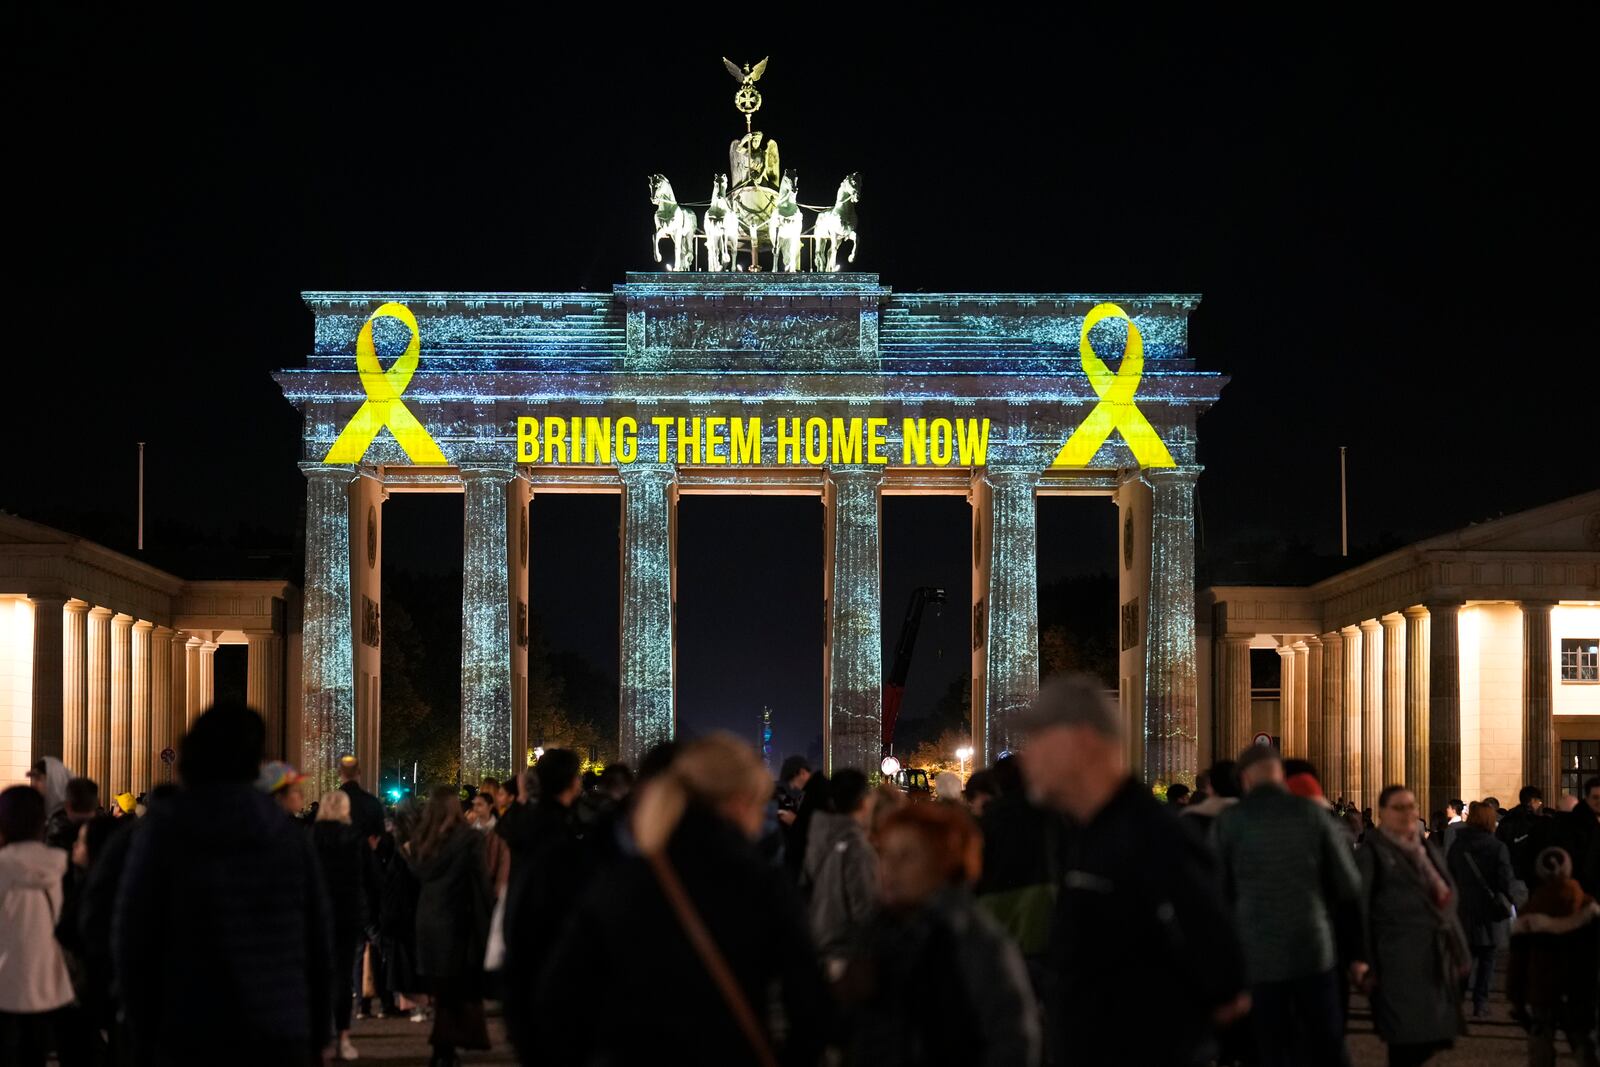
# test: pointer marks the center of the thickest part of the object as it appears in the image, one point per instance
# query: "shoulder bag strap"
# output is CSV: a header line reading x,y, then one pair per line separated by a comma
x,y
711,957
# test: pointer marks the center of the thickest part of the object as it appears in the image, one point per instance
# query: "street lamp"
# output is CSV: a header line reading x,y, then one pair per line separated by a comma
x,y
538,753
963,754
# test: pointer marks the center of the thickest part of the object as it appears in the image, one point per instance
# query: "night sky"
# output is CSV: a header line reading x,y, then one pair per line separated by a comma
x,y
1389,225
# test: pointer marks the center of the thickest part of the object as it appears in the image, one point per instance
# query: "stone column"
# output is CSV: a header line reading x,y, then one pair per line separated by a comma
x,y
1372,779
1394,700
98,765
485,627
121,705
1315,752
193,701
327,661
208,675
263,683
1302,691
853,670
1171,749
139,720
1333,732
75,686
1286,730
1354,761
1538,728
649,609
49,677
1444,704
1416,645
1006,612
367,496
517,552
162,705
1232,695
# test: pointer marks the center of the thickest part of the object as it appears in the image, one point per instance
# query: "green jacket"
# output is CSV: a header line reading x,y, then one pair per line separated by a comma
x,y
1288,873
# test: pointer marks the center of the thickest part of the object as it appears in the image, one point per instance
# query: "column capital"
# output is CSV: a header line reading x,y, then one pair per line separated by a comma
x,y
1185,475
119,619
1392,621
1443,607
164,632
1237,639
1351,630
1370,626
1541,606
1285,651
75,606
39,600
1415,611
644,472
340,473
993,476
99,612
1333,637
1312,642
493,472
193,641
855,472
143,624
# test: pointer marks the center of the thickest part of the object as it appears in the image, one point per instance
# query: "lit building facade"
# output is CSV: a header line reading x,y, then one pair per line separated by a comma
x,y
1463,666
105,660
776,347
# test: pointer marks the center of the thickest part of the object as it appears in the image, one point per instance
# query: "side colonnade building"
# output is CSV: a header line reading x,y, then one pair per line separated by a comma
x,y
1463,666
106,660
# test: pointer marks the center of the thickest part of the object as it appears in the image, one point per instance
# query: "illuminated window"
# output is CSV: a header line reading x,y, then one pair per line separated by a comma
x,y
1580,659
1580,761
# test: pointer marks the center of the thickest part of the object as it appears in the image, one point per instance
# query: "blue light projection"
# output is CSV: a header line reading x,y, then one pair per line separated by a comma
x,y
756,346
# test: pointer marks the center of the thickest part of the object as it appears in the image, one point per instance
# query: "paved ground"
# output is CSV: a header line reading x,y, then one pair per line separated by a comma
x,y
1496,1042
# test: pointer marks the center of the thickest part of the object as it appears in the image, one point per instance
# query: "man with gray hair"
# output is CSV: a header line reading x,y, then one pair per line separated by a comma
x,y
1138,895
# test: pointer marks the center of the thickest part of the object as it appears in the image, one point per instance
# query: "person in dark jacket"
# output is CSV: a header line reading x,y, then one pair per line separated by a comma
x,y
548,866
977,1010
1526,831
1551,980
1416,951
1139,894
397,916
343,855
1481,867
1290,876
841,871
453,908
694,826
366,810
222,938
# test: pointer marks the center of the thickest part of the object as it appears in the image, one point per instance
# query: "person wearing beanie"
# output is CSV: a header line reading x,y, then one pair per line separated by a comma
x,y
222,934
1551,980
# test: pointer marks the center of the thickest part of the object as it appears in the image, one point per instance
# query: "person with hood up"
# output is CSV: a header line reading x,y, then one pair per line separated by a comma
x,y
221,940
1551,978
841,870
34,984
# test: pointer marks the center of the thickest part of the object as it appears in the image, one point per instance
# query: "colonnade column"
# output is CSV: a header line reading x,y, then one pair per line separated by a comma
x,y
1354,762
121,707
1538,728
1372,779
1005,654
49,677
327,678
1333,739
1302,691
208,675
853,643
486,726
1416,688
98,764
139,720
1287,734
648,615
1394,702
263,683
162,705
1171,719
75,686
1444,704
1232,696
1313,674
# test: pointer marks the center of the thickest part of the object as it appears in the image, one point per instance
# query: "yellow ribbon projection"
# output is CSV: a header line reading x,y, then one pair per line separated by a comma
x,y
383,406
1116,410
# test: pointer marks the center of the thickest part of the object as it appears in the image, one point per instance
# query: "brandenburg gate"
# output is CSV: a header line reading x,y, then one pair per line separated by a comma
x,y
824,383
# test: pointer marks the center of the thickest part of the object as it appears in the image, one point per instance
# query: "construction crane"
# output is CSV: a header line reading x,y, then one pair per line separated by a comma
x,y
894,687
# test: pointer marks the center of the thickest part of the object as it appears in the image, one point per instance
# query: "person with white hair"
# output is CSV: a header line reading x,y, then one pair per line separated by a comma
x,y
344,856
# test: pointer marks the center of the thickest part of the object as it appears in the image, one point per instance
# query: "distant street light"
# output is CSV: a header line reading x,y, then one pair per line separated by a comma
x,y
963,754
538,754
890,766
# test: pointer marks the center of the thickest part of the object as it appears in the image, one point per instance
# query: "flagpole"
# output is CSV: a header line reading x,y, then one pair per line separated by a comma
x,y
1344,508
141,496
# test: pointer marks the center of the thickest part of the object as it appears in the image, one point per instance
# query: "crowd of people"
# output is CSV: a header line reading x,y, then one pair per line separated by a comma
x,y
696,909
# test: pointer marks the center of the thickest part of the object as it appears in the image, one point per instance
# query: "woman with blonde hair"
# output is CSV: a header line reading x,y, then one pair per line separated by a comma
x,y
717,927
343,855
